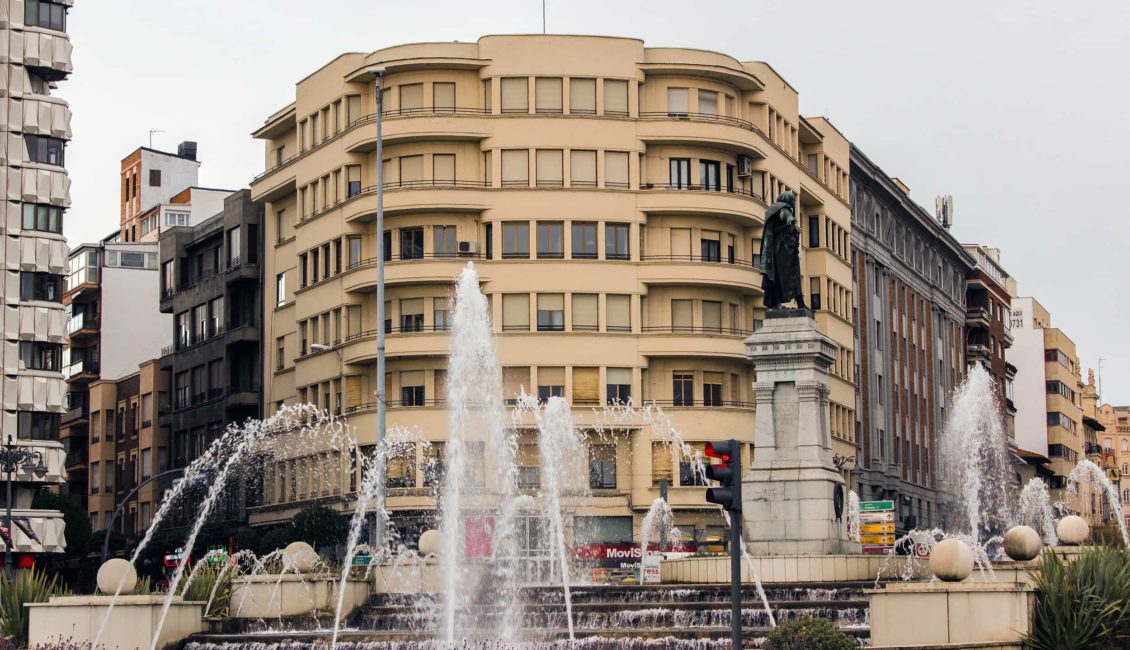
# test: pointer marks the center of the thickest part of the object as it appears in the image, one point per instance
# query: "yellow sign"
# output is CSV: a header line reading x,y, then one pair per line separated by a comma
x,y
877,517
881,540
877,528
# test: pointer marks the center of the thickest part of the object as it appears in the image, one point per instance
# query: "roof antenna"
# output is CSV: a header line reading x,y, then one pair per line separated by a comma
x,y
151,132
542,16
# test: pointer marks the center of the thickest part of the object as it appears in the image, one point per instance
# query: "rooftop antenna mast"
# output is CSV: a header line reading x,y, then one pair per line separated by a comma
x,y
542,16
151,132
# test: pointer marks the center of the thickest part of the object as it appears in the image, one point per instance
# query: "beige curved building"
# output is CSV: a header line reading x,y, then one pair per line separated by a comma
x,y
612,197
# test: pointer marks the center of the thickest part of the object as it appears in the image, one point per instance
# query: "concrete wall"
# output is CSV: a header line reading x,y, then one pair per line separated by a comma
x,y
1029,393
176,174
132,623
133,328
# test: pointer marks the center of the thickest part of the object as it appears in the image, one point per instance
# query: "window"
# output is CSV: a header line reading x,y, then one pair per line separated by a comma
x,y
515,240
814,293
443,169
352,180
551,383
154,178
411,171
586,385
616,245
680,173
280,289
547,95
814,232
528,471
35,285
47,218
515,95
433,464
616,169
180,218
353,248
582,96
488,235
678,103
551,312
585,312
549,170
386,245
515,312
280,353
40,356
618,387
551,239
682,319
443,97
233,247
661,462
691,465
582,168
711,316
584,240
602,467
441,314
412,315
444,241
682,388
44,149
34,425
400,471
45,14
618,313
707,102
615,97
711,247
411,98
412,388
515,168
712,388
411,243
708,175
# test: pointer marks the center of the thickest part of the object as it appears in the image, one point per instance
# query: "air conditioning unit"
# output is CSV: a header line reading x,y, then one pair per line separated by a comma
x,y
468,247
745,166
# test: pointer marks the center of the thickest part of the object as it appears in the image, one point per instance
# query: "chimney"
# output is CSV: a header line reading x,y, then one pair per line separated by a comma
x,y
187,149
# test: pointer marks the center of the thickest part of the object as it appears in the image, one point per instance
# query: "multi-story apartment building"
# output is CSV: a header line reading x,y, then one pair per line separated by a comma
x,y
128,446
159,191
910,301
1049,414
988,330
37,127
1116,435
211,284
612,197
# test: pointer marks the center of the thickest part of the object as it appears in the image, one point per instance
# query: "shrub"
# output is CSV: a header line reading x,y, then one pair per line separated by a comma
x,y
34,586
202,587
808,634
1083,604
319,526
276,538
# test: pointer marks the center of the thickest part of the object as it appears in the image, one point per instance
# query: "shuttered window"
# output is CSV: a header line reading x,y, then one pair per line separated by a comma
x,y
411,97
677,102
582,96
585,312
551,312
681,315
443,97
615,169
549,168
712,388
443,168
515,167
618,385
619,313
488,99
661,462
411,170
402,467
529,471
515,95
551,382
707,102
440,389
681,243
514,381
547,95
690,469
515,312
582,168
586,385
711,316
352,108
353,392
615,97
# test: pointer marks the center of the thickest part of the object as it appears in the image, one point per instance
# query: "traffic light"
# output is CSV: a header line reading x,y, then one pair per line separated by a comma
x,y
728,473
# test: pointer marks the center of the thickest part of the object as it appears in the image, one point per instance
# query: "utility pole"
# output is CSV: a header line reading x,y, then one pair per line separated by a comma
x,y
662,529
379,533
729,496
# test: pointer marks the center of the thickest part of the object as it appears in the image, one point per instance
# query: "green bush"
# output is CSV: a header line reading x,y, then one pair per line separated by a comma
x,y
34,586
319,526
201,589
1083,604
808,634
276,538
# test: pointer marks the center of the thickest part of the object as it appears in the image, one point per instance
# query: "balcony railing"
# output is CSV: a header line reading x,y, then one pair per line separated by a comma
x,y
694,329
80,322
81,368
712,189
699,403
704,259
699,117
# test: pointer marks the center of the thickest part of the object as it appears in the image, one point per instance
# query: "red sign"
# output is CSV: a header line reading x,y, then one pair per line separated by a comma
x,y
624,553
477,533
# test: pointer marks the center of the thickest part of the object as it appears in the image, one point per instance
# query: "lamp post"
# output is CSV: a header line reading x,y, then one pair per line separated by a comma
x,y
378,77
12,458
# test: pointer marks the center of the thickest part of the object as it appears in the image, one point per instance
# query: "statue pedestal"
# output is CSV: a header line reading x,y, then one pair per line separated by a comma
x,y
789,491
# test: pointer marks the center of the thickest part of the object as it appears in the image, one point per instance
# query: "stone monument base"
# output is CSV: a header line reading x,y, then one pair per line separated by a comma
x,y
789,510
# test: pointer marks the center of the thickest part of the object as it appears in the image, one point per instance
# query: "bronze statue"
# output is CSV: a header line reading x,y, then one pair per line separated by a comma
x,y
780,254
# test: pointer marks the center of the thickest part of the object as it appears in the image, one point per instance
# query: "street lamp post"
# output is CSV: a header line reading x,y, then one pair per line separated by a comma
x,y
378,537
12,458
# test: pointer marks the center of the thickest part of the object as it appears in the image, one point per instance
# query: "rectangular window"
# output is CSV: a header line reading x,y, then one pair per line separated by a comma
x,y
616,169
708,175
691,466
616,97
352,108
582,168
616,245
679,173
582,96
45,14
618,387
411,171
40,356
411,98
353,246
412,315
551,312
488,235
551,243
661,462
711,316
233,247
515,381
352,180
584,240
47,218
441,314
444,241
585,317
412,388
707,102
678,102
549,168
710,246
44,150
586,386
528,469
551,383
35,285
547,95
515,168
488,98
515,240
682,388
443,169
280,289
154,178
814,232
411,243
712,388
443,97
516,312
515,95
814,293
602,467
34,425
618,314
682,319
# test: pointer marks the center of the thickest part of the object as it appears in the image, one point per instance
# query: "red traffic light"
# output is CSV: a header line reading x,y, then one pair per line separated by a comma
x,y
722,450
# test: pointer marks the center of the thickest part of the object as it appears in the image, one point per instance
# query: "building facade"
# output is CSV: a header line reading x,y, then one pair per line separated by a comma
x,y
988,329
37,127
910,287
1049,414
1116,425
612,197
159,191
211,285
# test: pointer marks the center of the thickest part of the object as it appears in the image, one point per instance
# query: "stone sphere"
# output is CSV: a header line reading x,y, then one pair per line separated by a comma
x,y
430,542
299,557
1073,530
116,571
951,560
1022,543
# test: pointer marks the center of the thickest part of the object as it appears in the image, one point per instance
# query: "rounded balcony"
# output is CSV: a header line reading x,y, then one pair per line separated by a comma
x,y
361,277
741,206
361,348
695,270
692,341
697,129
406,197
417,125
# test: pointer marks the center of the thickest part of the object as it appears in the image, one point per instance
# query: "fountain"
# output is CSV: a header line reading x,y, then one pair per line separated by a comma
x,y
852,519
660,519
1089,476
1036,510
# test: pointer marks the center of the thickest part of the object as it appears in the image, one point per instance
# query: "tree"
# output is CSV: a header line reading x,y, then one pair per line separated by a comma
x,y
319,526
77,530
276,538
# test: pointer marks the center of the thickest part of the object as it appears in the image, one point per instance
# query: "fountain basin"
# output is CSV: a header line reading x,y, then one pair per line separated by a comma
x,y
273,596
789,568
420,577
950,613
132,623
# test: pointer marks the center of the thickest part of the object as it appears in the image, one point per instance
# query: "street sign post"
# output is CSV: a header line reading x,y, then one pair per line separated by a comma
x,y
877,526
875,506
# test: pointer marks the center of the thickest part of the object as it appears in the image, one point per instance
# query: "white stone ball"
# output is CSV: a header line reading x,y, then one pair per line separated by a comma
x,y
112,573
299,557
1022,543
951,560
1073,530
430,542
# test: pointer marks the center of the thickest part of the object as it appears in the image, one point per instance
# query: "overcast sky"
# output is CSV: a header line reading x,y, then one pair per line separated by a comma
x,y
1016,108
